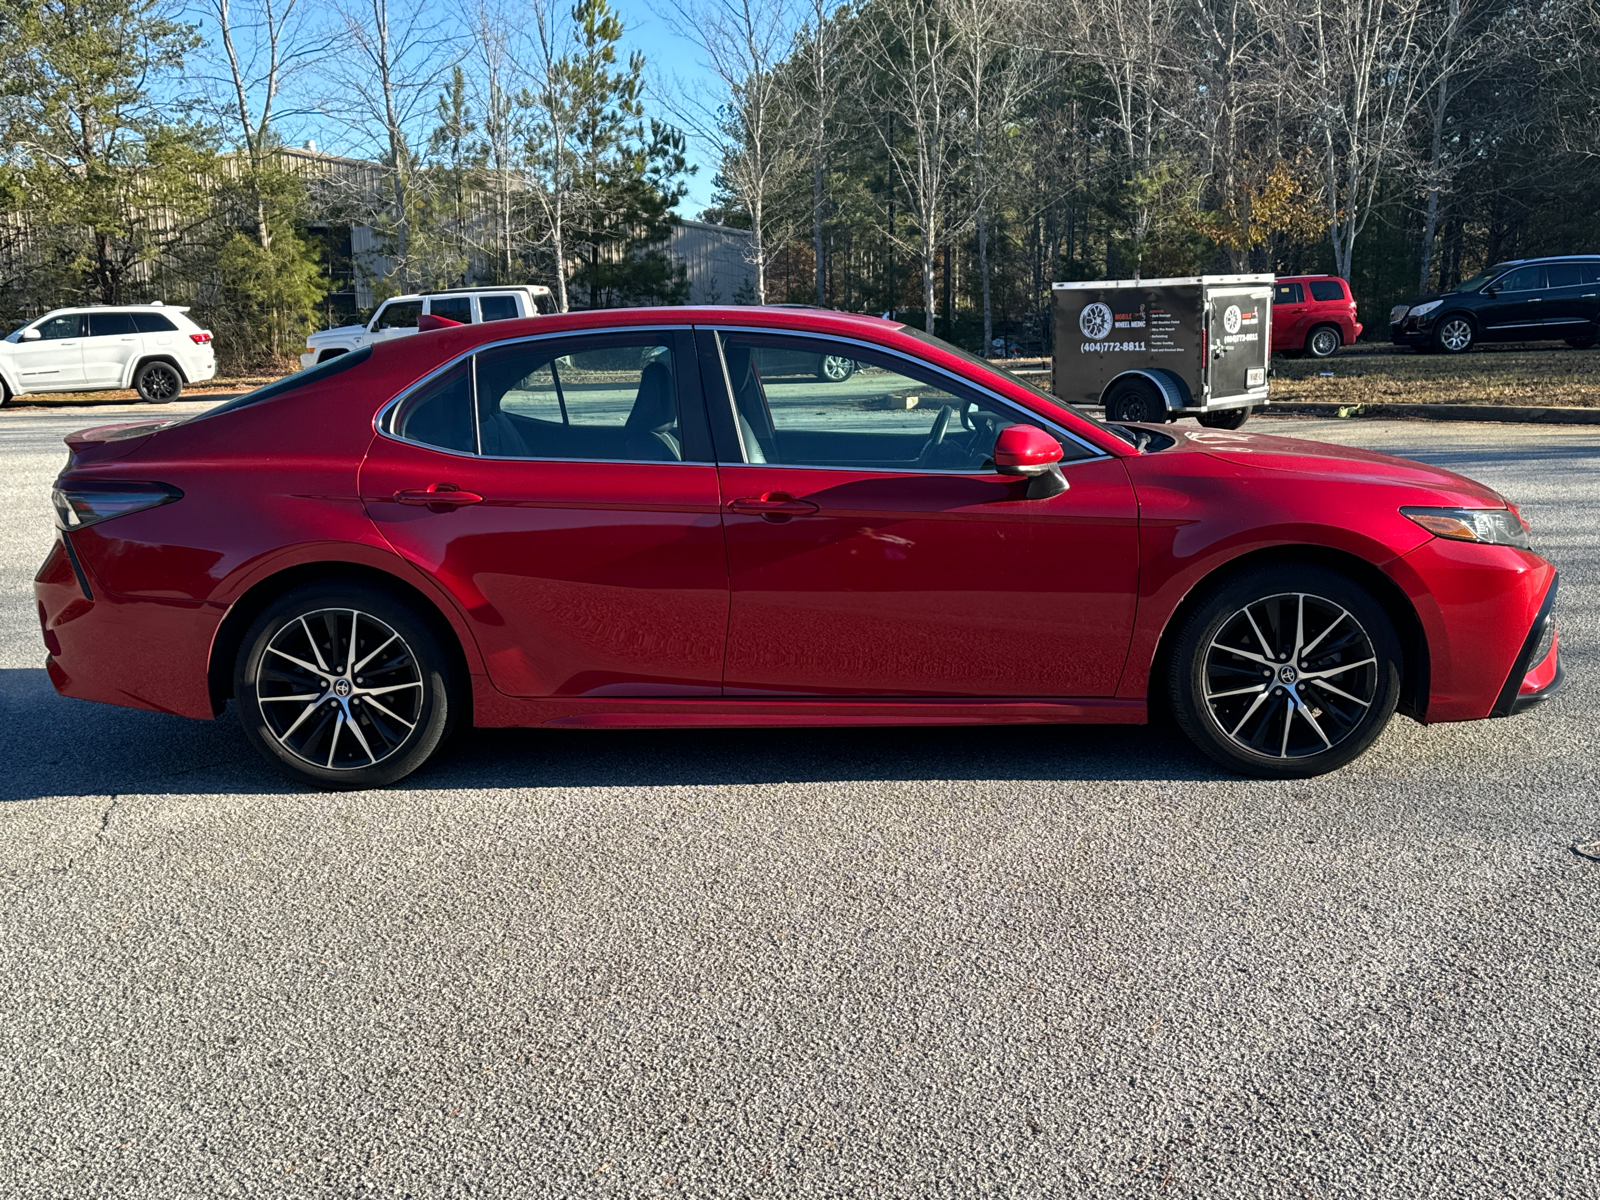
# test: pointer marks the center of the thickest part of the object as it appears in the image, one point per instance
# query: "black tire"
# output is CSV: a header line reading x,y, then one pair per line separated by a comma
x,y
1136,400
5,393
1241,693
835,368
158,382
1323,342
1226,418
295,704
1454,334
1588,343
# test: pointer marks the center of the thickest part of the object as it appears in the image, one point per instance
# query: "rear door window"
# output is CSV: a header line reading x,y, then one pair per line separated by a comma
x,y
498,308
452,308
111,324
1287,293
1560,275
1591,272
440,412
1327,289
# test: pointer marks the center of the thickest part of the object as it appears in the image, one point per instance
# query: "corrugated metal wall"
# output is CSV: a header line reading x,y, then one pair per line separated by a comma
x,y
715,257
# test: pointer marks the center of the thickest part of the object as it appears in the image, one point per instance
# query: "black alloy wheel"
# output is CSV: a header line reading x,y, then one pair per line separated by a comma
x,y
1454,335
342,686
157,382
1323,342
1225,418
1135,400
1285,672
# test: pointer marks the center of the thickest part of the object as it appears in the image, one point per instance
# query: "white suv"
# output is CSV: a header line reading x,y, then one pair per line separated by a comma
x,y
151,347
398,317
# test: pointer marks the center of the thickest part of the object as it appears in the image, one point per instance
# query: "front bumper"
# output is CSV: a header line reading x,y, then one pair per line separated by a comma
x,y
1412,331
1537,674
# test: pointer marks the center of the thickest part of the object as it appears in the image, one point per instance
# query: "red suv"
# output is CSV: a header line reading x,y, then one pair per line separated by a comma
x,y
1313,314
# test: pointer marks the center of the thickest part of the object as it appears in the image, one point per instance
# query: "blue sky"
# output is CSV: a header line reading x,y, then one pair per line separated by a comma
x,y
667,55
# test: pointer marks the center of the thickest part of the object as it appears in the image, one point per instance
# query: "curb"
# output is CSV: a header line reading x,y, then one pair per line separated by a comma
x,y
1512,413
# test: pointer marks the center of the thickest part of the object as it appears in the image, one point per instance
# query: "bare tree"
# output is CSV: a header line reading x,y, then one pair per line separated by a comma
x,y
743,116
497,47
994,68
383,78
1370,71
912,48
818,91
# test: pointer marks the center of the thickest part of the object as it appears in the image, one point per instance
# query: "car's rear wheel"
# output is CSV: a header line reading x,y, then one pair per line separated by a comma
x,y
1454,335
1323,341
1135,400
157,382
343,686
1285,672
835,368
1227,418
1586,343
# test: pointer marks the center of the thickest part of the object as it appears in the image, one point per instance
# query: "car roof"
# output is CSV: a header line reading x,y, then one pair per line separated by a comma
x,y
796,320
1549,258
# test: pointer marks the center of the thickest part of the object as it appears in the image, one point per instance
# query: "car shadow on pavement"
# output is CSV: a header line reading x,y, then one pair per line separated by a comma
x,y
57,747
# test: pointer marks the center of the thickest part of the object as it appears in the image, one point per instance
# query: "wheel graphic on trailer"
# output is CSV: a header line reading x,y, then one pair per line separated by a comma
x,y
1095,321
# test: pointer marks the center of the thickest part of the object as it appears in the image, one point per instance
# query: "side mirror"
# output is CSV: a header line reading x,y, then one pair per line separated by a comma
x,y
1029,451
29,335
1492,290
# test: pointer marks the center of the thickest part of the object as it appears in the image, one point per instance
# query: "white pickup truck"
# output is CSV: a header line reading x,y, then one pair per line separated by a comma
x,y
397,317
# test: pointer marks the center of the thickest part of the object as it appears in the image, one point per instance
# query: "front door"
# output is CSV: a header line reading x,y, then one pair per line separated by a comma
x,y
872,552
1517,308
572,512
109,350
55,360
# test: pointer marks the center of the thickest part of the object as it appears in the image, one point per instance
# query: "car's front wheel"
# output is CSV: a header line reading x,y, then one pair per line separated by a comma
x,y
343,686
1454,335
158,381
1285,672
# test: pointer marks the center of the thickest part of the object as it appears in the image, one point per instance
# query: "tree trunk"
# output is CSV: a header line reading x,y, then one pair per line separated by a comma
x,y
816,230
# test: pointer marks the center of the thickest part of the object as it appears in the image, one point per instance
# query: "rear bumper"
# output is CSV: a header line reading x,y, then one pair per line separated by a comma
x,y
137,652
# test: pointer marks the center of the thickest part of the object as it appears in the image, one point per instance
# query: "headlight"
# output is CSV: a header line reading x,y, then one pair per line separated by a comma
x,y
1423,310
1492,526
80,504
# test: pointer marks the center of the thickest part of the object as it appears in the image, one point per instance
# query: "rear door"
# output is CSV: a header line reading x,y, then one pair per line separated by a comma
x,y
111,348
1567,310
1238,323
562,489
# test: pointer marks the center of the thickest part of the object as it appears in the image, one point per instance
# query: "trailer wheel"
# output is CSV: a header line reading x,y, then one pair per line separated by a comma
x,y
1135,400
1227,418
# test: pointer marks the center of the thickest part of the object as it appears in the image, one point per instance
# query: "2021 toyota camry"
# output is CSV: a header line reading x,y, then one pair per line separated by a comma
x,y
612,519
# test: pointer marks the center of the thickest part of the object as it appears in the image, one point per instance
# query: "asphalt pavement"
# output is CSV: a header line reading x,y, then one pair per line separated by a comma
x,y
889,963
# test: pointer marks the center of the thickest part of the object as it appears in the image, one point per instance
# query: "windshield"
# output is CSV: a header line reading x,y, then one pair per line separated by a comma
x,y
1132,437
1476,282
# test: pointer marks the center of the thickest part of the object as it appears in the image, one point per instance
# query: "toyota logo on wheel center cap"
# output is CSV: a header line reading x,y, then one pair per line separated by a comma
x,y
341,687
1286,673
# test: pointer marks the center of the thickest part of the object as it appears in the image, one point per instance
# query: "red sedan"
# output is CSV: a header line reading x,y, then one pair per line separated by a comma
x,y
640,518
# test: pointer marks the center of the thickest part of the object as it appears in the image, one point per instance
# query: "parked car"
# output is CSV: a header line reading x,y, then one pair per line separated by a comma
x,y
1313,315
153,348
626,518
398,317
1538,299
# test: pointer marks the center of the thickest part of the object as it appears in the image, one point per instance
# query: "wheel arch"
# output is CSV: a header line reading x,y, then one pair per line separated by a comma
x,y
1169,385
1415,667
145,360
226,642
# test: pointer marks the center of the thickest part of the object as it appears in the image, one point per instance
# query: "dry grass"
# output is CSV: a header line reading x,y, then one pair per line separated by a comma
x,y
1510,374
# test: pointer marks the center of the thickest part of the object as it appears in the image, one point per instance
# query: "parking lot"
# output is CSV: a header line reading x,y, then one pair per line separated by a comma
x,y
1058,962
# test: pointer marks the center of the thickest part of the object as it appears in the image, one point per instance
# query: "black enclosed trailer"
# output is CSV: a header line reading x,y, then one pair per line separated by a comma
x,y
1160,349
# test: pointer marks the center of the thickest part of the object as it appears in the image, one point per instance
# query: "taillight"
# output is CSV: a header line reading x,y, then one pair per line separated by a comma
x,y
88,503
201,338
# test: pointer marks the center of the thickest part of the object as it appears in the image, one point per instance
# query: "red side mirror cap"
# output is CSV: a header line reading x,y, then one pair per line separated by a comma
x,y
1020,447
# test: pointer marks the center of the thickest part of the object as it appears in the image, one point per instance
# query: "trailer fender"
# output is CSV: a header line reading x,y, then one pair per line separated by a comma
x,y
1174,391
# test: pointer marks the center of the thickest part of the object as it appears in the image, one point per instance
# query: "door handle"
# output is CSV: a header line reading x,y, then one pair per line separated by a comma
x,y
1536,300
438,496
774,505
